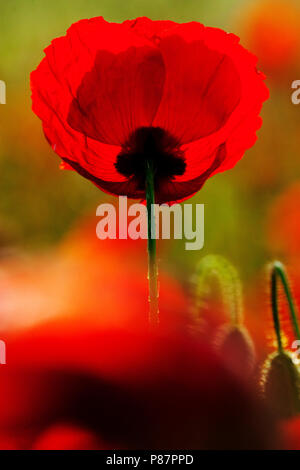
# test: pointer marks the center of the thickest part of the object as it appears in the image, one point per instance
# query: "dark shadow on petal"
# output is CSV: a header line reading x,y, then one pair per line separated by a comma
x,y
175,191
121,93
171,191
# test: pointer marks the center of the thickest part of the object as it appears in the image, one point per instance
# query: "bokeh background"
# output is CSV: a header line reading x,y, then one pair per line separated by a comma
x,y
52,265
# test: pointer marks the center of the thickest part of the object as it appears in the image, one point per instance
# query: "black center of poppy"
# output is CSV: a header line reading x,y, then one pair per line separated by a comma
x,y
155,146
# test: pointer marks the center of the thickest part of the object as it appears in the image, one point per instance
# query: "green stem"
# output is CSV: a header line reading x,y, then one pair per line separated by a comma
x,y
275,311
152,263
278,271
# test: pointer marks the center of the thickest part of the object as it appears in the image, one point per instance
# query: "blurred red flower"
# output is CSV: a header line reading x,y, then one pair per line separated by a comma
x,y
92,281
283,222
113,96
67,437
291,433
72,387
271,30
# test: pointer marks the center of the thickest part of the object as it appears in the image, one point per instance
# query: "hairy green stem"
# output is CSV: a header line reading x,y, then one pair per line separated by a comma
x,y
152,263
278,271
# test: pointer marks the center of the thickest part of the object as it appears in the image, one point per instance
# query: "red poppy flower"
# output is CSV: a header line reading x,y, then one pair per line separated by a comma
x,y
114,96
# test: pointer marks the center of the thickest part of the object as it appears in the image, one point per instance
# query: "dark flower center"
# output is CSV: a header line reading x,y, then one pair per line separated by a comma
x,y
155,146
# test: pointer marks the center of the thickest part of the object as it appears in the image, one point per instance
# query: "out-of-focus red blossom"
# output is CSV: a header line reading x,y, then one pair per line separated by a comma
x,y
271,31
101,282
291,433
67,437
113,96
283,223
125,390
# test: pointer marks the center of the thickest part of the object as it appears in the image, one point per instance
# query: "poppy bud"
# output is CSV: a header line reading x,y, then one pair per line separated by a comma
x,y
280,382
235,345
233,341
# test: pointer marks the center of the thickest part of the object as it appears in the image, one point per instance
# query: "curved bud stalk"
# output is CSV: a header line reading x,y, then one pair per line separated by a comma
x,y
232,341
215,266
280,378
278,271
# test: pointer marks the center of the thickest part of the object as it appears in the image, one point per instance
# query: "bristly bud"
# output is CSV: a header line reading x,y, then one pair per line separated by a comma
x,y
281,384
215,266
233,341
236,348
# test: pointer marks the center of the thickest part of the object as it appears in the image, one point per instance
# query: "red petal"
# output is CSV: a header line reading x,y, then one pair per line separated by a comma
x,y
125,187
65,166
57,79
120,94
150,29
172,191
202,86
239,132
176,191
95,157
